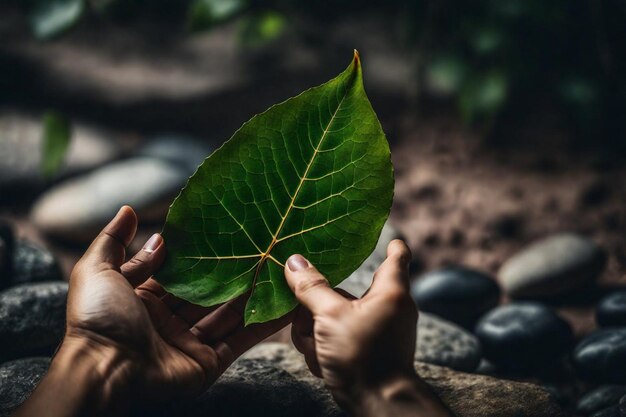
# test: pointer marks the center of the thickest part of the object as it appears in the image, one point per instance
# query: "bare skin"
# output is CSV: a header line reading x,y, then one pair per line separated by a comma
x,y
363,348
129,341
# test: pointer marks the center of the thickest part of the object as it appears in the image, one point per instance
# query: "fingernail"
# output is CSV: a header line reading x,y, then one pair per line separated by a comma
x,y
297,263
153,243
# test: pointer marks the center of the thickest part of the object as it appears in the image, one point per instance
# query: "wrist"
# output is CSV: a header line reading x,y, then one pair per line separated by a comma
x,y
100,373
395,395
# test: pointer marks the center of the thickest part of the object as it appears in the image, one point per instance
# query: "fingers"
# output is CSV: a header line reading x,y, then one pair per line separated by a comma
x,y
303,340
145,262
393,273
110,245
221,322
310,287
235,344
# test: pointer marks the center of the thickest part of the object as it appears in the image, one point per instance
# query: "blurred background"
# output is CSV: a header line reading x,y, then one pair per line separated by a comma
x,y
506,119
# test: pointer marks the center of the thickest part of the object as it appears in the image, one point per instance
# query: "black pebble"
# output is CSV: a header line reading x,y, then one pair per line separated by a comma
x,y
523,337
601,356
611,310
600,398
458,294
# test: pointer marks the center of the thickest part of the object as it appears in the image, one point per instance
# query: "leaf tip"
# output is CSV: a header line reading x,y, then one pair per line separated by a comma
x,y
357,58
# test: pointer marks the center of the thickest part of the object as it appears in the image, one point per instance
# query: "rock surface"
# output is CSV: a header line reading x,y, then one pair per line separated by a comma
x,y
611,310
458,294
466,394
523,336
77,209
31,263
601,356
600,398
443,343
32,319
273,380
18,379
556,265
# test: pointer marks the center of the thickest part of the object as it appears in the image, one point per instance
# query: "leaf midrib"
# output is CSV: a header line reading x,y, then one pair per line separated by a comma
x,y
267,253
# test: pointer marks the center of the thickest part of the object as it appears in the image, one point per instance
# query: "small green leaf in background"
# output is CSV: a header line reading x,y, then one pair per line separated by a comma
x,y
56,140
311,175
483,96
486,40
259,29
204,14
50,18
445,74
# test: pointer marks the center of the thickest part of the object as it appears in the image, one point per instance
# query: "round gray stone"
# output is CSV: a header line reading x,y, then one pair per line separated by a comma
x,y
177,149
18,380
21,149
443,343
32,263
32,319
556,265
77,209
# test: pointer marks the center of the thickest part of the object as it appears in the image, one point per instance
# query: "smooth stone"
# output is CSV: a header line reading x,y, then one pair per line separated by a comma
x,y
443,343
611,310
600,398
601,356
523,336
177,149
32,263
21,149
264,386
460,295
612,411
361,279
18,380
467,395
32,319
556,265
77,209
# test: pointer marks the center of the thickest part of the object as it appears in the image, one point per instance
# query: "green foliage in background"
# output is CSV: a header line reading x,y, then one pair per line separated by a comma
x,y
492,56
311,175
55,142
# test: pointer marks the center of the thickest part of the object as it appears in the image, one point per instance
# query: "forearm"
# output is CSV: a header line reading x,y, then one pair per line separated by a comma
x,y
82,380
405,396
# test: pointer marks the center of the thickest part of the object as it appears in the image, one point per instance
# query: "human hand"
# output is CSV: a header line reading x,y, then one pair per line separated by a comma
x,y
141,341
363,348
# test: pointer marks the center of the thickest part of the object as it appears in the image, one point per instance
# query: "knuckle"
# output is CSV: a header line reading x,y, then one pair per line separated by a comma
x,y
310,283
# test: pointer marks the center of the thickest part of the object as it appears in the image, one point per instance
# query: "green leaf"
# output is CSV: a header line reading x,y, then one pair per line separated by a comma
x,y
204,14
311,175
483,96
259,29
55,141
50,18
445,74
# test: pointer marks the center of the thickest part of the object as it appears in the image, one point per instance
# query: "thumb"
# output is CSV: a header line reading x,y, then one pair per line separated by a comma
x,y
310,287
109,247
